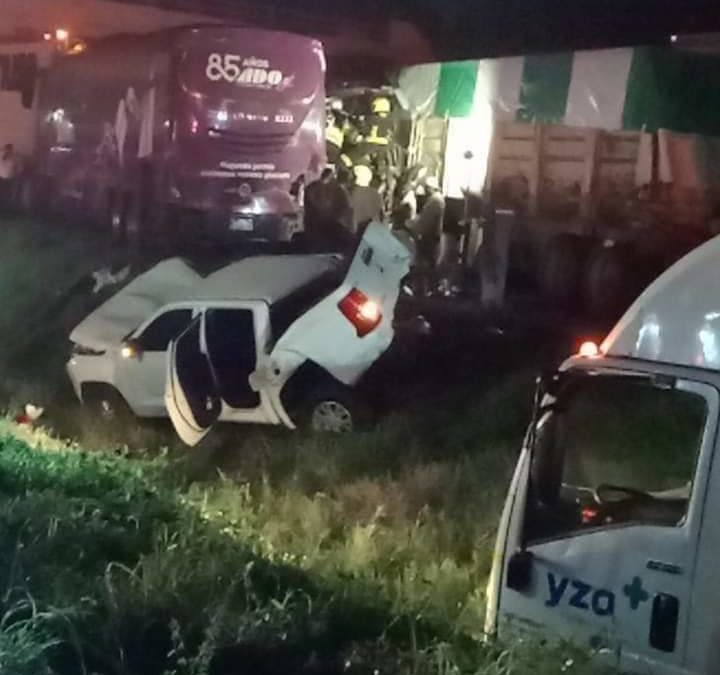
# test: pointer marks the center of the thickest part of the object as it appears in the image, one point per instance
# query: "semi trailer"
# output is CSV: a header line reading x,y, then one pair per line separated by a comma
x,y
608,158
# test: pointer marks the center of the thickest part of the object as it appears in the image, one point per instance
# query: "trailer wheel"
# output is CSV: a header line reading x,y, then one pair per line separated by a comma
x,y
609,282
561,271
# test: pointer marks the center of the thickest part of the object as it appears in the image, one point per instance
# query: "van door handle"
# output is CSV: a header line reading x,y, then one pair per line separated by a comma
x,y
667,568
664,622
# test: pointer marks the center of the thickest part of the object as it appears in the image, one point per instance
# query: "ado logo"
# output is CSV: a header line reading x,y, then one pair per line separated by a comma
x,y
580,595
249,72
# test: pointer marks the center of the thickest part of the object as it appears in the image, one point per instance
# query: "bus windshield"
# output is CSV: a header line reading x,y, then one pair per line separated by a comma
x,y
251,81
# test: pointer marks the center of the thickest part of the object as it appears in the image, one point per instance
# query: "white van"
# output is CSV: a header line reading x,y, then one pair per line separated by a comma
x,y
609,537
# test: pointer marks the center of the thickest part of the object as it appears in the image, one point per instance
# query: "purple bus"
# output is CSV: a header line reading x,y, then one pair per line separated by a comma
x,y
208,127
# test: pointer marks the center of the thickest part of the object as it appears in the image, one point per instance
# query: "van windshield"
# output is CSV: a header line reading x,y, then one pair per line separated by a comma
x,y
612,451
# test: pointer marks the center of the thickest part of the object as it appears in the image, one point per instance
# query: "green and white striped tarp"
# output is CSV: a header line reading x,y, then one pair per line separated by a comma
x,y
634,89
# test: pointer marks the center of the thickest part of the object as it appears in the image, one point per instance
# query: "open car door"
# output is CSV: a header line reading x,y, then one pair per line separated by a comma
x,y
350,329
191,395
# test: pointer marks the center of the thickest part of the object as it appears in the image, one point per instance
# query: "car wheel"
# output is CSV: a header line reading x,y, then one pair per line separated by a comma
x,y
336,410
107,405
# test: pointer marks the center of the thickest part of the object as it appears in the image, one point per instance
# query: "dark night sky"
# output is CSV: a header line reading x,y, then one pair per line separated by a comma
x,y
492,27
473,28
511,26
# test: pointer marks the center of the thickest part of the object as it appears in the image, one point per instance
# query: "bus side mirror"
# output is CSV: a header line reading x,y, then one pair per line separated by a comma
x,y
519,571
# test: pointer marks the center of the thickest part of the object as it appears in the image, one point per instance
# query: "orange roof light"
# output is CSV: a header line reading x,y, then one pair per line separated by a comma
x,y
589,350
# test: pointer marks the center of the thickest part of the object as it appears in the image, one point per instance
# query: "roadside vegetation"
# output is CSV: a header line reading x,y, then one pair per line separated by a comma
x,y
260,552
325,557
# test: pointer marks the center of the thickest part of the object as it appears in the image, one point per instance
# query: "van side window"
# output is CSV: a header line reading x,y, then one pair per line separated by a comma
x,y
161,332
614,451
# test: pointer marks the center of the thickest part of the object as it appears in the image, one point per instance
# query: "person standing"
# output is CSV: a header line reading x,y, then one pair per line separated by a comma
x,y
378,143
334,132
337,130
366,201
379,127
328,214
427,230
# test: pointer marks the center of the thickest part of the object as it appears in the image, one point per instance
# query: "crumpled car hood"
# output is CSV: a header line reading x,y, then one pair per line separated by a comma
x,y
109,324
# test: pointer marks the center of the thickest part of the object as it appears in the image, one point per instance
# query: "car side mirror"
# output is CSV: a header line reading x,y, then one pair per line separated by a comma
x,y
131,349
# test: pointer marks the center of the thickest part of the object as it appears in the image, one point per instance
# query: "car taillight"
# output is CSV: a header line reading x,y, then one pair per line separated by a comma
x,y
361,312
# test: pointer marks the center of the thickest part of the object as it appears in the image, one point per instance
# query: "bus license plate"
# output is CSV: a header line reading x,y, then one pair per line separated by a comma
x,y
241,224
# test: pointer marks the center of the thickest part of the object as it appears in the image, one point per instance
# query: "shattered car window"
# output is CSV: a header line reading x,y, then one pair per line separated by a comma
x,y
158,335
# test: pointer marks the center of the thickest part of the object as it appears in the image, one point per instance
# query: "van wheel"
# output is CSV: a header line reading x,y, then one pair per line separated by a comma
x,y
106,404
335,410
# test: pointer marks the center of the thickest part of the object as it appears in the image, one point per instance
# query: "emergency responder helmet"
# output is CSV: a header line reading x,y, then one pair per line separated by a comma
x,y
381,105
363,175
335,104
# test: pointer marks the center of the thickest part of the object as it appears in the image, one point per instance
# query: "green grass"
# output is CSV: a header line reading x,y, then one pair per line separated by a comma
x,y
41,266
305,556
122,553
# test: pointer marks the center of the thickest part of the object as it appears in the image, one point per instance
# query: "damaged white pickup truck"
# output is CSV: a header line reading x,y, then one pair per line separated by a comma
x,y
280,340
